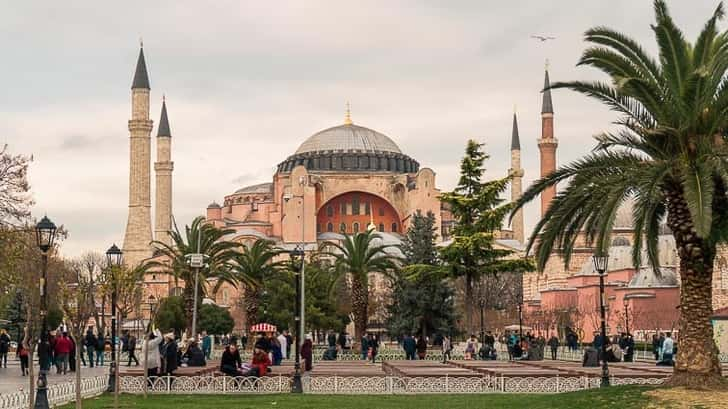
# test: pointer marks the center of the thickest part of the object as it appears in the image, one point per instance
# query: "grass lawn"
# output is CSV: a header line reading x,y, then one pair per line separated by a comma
x,y
623,397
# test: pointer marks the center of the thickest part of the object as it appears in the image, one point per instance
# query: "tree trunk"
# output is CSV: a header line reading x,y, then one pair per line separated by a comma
x,y
78,330
697,365
359,306
252,301
189,304
467,303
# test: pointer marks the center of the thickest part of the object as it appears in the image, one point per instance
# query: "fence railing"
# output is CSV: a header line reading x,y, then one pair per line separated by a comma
x,y
58,394
370,384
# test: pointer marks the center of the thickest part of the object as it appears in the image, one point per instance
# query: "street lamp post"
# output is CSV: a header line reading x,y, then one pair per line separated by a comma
x,y
600,265
114,259
297,260
625,302
196,261
45,234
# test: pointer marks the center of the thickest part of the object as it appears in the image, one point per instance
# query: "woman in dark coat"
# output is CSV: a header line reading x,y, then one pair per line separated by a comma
x,y
307,352
194,355
230,361
421,348
72,354
170,355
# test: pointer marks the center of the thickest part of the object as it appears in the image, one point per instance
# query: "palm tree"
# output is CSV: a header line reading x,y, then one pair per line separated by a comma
x,y
669,155
252,266
199,237
355,258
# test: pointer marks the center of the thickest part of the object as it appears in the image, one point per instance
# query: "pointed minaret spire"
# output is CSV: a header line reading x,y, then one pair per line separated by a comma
x,y
163,169
163,129
547,106
516,173
141,79
347,117
547,144
515,138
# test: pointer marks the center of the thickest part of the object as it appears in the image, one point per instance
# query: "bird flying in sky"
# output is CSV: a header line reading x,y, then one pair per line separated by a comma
x,y
543,38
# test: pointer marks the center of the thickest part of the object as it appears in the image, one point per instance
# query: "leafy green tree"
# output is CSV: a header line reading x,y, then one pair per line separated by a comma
x,y
669,155
199,237
215,319
422,303
171,315
253,266
358,256
478,211
323,312
418,245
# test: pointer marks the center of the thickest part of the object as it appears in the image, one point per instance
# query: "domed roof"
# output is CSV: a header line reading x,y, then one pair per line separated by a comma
x,y
259,188
348,137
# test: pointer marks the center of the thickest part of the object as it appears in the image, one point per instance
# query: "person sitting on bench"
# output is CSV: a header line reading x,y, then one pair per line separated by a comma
x,y
194,355
230,361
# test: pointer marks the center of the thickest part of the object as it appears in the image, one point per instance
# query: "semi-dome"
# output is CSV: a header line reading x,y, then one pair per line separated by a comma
x,y
350,148
348,138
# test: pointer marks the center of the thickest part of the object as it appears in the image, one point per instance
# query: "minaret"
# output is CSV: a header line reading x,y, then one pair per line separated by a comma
x,y
516,173
163,169
547,144
138,236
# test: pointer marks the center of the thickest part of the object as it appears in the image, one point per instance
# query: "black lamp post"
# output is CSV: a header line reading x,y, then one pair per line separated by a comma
x,y
297,260
625,302
600,265
114,259
45,234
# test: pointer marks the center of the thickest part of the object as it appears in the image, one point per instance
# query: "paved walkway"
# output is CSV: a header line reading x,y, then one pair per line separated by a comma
x,y
12,381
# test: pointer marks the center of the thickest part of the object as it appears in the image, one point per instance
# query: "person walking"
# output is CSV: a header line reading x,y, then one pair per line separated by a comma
x,y
470,347
364,347
170,354
206,345
61,348
656,346
661,346
22,353
446,349
668,347
421,348
72,354
307,353
4,348
131,350
289,343
554,344
373,346
153,359
410,346
100,346
283,342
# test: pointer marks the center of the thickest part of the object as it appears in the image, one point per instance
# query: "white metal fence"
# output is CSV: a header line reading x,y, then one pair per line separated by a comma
x,y
371,384
58,394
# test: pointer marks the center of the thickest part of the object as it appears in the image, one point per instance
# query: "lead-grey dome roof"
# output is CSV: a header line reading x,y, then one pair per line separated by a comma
x,y
348,137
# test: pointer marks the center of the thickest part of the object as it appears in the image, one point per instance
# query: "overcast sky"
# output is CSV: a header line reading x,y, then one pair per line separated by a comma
x,y
247,82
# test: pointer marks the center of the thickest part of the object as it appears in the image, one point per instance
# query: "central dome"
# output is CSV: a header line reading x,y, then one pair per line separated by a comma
x,y
348,138
350,148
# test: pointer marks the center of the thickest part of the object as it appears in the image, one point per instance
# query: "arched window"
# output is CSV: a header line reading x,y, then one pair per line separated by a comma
x,y
343,208
381,227
367,208
355,206
342,228
225,296
394,228
330,210
355,227
330,227
318,227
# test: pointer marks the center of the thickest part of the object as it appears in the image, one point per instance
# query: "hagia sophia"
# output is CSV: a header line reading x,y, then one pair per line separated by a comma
x,y
350,177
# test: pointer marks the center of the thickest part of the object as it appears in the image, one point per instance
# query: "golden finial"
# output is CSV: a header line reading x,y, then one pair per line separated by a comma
x,y
547,64
164,97
141,42
347,118
372,226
